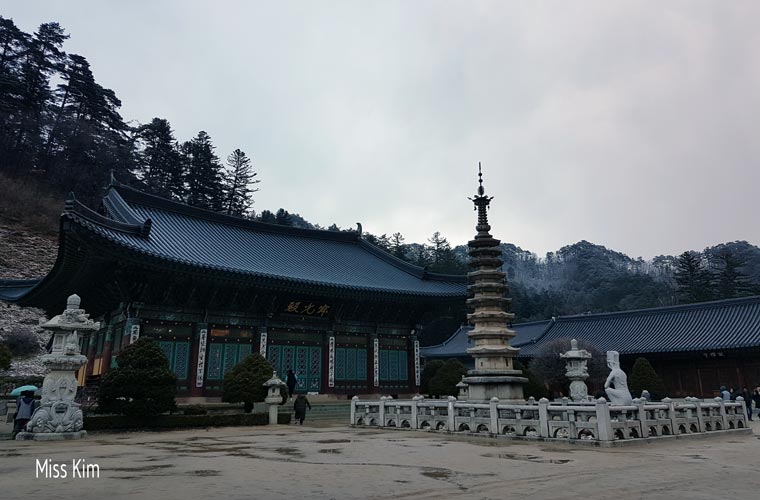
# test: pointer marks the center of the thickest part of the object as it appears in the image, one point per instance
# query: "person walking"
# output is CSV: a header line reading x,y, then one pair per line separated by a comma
x,y
291,381
747,401
299,407
756,397
25,406
724,393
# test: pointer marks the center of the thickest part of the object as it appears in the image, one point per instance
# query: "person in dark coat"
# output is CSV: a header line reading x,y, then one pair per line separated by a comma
x,y
25,406
299,407
756,397
291,380
747,401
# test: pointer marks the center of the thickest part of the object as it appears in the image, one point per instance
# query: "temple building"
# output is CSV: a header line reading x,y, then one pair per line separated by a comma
x,y
695,348
210,289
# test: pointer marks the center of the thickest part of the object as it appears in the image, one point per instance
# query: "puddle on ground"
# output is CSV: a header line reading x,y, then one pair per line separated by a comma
x,y
205,473
333,441
437,474
10,454
144,468
331,450
698,457
527,458
293,452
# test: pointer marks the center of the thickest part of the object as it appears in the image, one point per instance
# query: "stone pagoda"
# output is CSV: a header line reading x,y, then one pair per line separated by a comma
x,y
494,375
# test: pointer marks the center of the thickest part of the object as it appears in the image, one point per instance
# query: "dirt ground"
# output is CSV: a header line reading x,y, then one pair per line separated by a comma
x,y
343,463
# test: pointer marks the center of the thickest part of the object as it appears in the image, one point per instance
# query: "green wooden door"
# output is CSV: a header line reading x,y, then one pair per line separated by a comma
x,y
305,361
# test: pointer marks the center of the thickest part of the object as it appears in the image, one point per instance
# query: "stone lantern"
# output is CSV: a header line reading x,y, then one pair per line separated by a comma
x,y
274,398
58,416
577,370
463,392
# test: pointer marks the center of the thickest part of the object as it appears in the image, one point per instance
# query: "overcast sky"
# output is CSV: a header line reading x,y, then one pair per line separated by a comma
x,y
634,125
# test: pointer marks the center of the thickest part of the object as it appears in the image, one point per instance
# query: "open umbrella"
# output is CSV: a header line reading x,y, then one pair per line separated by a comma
x,y
18,390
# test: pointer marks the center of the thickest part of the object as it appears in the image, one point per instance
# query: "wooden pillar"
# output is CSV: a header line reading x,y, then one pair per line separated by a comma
x,y
107,348
92,344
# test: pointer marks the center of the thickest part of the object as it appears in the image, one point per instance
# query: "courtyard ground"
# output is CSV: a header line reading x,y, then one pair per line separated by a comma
x,y
296,462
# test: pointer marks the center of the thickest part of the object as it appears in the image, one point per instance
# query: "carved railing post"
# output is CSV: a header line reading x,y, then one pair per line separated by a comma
x,y
353,409
722,409
700,415
543,417
494,411
642,417
671,415
603,423
381,411
451,421
414,419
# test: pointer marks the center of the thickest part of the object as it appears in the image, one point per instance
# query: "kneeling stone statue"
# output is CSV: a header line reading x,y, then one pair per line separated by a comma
x,y
616,385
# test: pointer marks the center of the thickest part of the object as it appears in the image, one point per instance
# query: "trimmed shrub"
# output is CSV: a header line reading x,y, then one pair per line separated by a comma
x,y
195,410
535,386
445,381
5,357
22,341
428,372
142,385
643,377
245,382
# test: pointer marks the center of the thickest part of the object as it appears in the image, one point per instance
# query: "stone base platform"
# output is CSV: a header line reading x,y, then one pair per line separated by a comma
x,y
50,436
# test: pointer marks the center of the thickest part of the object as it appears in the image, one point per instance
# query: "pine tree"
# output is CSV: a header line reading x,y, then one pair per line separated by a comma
x,y
42,58
268,217
443,258
203,173
730,281
643,377
397,246
692,278
238,180
88,137
159,164
283,218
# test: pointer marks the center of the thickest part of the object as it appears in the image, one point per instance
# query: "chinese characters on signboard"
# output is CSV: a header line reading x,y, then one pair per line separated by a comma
x,y
309,309
201,357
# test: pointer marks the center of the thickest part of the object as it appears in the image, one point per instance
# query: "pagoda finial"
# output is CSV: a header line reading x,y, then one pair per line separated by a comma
x,y
481,190
481,202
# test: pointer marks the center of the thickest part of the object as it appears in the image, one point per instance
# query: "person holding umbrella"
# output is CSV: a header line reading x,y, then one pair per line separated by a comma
x,y
25,406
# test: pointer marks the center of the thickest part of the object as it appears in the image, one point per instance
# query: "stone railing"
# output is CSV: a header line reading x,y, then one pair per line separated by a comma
x,y
594,421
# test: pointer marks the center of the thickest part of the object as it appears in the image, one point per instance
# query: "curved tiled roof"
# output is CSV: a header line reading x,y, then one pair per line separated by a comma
x,y
723,324
707,326
459,342
208,241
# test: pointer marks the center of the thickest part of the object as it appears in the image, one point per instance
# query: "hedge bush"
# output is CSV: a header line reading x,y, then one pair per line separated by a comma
x,y
446,378
141,385
245,382
160,422
643,377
